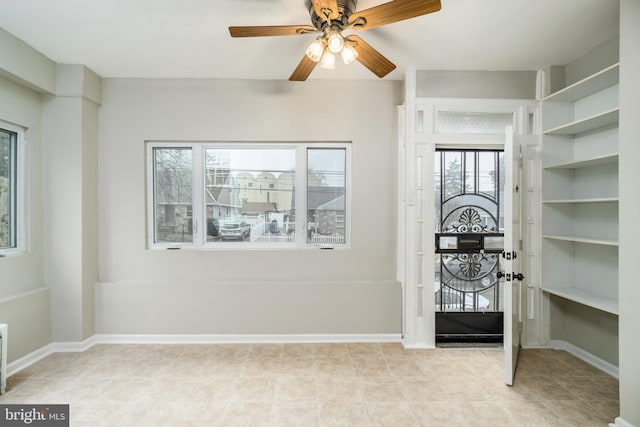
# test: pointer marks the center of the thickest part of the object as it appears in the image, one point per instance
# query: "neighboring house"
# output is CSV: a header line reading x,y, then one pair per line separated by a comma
x,y
330,216
326,206
257,208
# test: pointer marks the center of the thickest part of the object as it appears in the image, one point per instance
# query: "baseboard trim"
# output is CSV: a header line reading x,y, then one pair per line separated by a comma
x,y
581,354
243,338
620,422
28,360
74,347
69,347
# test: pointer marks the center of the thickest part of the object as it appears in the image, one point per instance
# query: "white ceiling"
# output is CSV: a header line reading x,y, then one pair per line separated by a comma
x,y
190,38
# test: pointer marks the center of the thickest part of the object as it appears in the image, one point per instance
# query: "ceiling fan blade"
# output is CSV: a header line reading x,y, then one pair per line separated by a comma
x,y
327,9
276,30
371,58
302,71
393,11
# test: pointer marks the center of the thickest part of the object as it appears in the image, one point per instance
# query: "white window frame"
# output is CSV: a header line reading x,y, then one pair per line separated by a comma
x,y
199,208
18,203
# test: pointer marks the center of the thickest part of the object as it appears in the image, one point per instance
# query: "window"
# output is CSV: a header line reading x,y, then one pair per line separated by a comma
x,y
11,212
226,195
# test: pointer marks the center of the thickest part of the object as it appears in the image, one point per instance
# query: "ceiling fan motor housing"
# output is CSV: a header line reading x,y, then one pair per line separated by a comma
x,y
345,9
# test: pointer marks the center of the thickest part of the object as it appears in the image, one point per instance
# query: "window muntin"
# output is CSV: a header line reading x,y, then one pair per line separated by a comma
x,y
246,194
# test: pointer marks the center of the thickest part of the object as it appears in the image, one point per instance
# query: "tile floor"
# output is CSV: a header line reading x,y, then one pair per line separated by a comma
x,y
372,384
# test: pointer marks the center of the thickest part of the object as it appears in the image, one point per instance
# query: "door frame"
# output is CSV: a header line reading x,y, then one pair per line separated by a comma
x,y
417,139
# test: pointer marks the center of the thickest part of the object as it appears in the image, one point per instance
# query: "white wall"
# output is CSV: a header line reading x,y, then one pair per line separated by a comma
x,y
24,302
253,291
629,292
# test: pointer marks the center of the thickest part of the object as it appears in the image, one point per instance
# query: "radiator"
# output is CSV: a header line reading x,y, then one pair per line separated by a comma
x,y
3,357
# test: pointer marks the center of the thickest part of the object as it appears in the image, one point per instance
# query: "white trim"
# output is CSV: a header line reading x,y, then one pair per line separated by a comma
x,y
418,346
28,360
39,354
19,204
243,338
74,346
581,354
620,422
63,347
3,356
23,295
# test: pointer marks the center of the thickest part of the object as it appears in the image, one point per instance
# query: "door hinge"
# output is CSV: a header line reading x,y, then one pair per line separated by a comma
x,y
520,327
509,255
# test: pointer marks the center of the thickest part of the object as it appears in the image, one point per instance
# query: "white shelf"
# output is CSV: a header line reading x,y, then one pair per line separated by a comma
x,y
578,239
580,180
608,304
585,87
593,200
585,163
587,124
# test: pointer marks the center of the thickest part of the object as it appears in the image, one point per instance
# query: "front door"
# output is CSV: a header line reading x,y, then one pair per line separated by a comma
x,y
470,227
511,275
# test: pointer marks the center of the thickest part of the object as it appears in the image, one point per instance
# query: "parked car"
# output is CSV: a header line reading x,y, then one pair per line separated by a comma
x,y
239,230
213,227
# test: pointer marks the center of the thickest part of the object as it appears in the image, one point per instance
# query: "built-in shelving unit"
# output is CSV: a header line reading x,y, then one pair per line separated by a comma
x,y
580,191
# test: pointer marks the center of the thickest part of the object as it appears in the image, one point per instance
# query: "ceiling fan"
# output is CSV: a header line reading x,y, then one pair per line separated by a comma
x,y
329,18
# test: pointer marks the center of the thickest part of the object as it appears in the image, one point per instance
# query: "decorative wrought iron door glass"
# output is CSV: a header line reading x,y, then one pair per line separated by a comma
x,y
468,195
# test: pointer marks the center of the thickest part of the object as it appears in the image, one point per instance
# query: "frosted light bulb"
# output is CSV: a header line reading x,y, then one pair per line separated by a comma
x,y
328,60
349,54
335,42
315,50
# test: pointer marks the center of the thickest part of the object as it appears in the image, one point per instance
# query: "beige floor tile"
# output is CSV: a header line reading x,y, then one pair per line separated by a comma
x,y
254,389
245,414
530,413
464,387
315,384
339,366
380,390
339,350
296,389
287,414
443,413
365,349
298,366
421,390
403,367
577,413
339,389
387,414
364,366
610,409
266,350
342,414
262,367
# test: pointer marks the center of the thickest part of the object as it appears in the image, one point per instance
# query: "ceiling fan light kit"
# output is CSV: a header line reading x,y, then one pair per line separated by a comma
x,y
331,18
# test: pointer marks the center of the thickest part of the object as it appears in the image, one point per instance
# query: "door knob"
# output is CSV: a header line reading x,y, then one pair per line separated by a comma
x,y
518,276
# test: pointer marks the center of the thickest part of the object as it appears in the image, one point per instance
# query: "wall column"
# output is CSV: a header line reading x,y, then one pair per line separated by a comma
x,y
70,141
